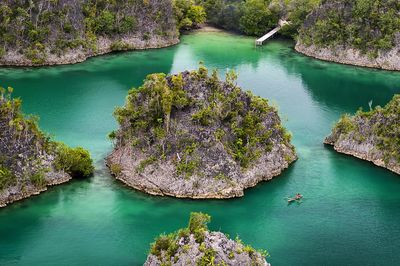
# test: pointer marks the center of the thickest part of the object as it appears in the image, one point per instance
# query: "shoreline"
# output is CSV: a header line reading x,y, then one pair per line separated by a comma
x,y
327,55
310,52
379,163
78,56
34,191
131,184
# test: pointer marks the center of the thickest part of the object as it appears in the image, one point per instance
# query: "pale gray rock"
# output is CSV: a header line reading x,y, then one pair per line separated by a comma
x,y
226,252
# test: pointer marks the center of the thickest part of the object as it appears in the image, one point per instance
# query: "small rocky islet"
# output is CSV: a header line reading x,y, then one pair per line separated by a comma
x,y
196,245
191,135
372,136
29,160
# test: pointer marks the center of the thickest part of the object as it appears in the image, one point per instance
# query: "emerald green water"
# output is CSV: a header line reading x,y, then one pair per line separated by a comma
x,y
351,211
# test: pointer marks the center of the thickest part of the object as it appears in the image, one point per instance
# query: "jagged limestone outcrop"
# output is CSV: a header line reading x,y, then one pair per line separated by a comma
x,y
29,160
373,136
192,136
357,32
47,32
196,245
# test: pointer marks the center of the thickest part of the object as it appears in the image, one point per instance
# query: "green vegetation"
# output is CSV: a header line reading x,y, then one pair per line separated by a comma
x,y
367,25
389,131
252,17
382,123
345,124
188,163
116,169
6,178
74,161
38,179
198,225
188,14
256,17
146,162
297,11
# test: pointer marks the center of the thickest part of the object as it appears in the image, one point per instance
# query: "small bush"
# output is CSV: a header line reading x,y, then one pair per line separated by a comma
x,y
119,46
345,124
146,162
164,243
198,225
204,116
188,164
38,179
146,36
116,169
6,178
74,161
208,258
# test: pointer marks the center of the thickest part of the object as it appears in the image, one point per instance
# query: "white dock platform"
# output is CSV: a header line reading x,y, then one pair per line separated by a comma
x,y
271,33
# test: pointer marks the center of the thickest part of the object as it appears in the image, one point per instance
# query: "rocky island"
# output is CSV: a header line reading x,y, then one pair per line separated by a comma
x,y
357,32
46,32
373,136
191,135
29,160
196,245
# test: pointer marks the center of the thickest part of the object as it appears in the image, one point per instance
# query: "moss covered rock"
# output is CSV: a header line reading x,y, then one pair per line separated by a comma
x,y
373,136
191,135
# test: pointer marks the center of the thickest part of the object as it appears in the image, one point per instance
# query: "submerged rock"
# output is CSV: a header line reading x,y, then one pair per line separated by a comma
x,y
29,160
373,136
192,136
195,245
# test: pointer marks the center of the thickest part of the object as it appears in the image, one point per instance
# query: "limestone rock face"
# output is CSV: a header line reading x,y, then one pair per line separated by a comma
x,y
388,60
372,136
215,142
347,33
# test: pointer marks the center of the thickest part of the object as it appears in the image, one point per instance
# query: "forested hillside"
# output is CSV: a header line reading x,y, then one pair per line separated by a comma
x,y
60,31
256,17
360,32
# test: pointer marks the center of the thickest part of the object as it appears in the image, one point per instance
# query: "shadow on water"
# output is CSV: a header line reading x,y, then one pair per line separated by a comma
x,y
345,88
